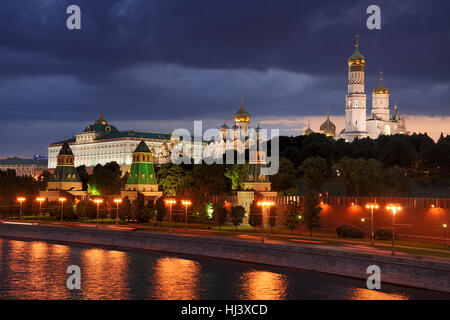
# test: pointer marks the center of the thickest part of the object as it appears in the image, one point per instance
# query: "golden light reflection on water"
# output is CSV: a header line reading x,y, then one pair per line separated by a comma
x,y
176,279
366,294
104,274
263,285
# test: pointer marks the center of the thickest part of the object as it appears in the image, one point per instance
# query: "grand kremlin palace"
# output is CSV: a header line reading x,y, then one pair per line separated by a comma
x,y
101,143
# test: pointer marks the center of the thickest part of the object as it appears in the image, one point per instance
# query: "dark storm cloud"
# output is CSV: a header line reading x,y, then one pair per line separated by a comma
x,y
180,59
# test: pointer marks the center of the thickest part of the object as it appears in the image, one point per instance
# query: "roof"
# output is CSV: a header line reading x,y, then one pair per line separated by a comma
x,y
19,161
65,150
142,147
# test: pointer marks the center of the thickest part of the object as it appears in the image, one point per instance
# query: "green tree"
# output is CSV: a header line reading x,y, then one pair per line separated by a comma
x,y
284,179
313,172
311,211
292,215
106,179
125,209
255,215
237,215
171,178
84,176
237,173
220,215
161,209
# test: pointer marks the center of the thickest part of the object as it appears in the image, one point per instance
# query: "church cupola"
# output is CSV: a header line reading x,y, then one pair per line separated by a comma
x,y
381,89
328,128
224,130
242,118
357,61
65,176
308,130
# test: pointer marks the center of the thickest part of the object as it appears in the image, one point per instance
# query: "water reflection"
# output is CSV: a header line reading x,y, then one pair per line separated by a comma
x,y
104,274
366,294
263,285
176,279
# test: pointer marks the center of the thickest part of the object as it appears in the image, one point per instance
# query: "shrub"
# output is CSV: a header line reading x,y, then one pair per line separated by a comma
x,y
347,231
383,234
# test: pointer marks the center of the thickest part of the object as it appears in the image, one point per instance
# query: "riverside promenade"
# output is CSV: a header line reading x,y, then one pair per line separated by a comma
x,y
425,272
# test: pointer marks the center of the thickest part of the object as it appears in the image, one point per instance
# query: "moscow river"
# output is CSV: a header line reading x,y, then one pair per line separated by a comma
x,y
37,270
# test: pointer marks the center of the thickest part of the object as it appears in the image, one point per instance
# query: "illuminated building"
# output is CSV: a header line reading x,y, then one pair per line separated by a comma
x,y
357,124
25,167
142,177
102,142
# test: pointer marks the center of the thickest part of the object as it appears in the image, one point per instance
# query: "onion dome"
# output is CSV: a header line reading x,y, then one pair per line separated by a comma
x,y
328,128
101,126
381,89
242,115
308,130
224,126
235,128
357,61
258,128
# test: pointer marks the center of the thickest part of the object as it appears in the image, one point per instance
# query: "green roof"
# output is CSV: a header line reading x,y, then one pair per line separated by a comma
x,y
356,56
142,173
65,174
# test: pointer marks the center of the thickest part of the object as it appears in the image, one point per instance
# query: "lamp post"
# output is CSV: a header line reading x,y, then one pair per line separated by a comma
x,y
97,201
21,200
62,207
40,200
372,206
264,204
186,203
444,226
393,209
117,201
171,202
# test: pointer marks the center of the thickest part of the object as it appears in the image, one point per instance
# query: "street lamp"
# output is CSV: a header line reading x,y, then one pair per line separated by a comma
x,y
170,202
97,201
186,203
40,200
393,209
21,200
117,201
264,204
62,207
372,206
444,226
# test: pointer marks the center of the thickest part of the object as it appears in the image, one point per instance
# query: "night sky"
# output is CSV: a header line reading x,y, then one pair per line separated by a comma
x,y
156,65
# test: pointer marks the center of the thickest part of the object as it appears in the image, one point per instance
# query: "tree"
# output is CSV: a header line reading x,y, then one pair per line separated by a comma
x,y
84,176
273,218
171,178
255,215
125,209
284,179
220,215
161,210
106,179
292,215
311,212
237,215
137,207
314,170
237,173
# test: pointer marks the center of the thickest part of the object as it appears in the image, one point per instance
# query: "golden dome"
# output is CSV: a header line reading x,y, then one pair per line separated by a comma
x,y
328,128
357,60
101,120
242,115
381,89
308,130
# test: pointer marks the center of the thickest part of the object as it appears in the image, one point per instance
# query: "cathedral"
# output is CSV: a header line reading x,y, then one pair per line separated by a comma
x,y
238,138
357,123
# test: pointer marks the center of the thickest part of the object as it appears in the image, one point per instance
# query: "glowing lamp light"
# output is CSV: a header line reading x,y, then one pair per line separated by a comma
x,y
186,202
170,201
393,208
352,203
363,220
21,199
118,201
98,201
39,199
444,225
62,199
266,203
